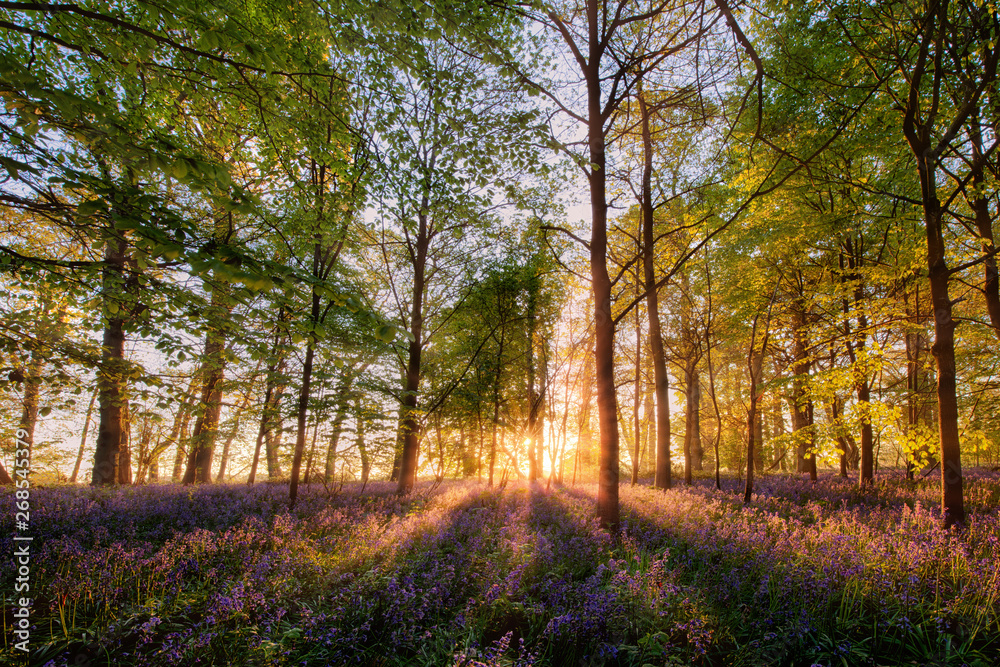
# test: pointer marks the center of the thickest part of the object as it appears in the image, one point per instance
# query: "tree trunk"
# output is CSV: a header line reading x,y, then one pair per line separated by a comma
x,y
440,442
125,448
692,398
637,392
534,399
312,448
29,400
482,441
585,439
855,260
111,377
802,412
206,426
697,449
271,408
604,325
338,429
759,440
984,225
303,407
83,437
145,452
920,136
261,432
496,396
397,458
661,382
272,441
182,437
410,424
366,463
648,418
331,456
952,500
153,470
756,363
221,477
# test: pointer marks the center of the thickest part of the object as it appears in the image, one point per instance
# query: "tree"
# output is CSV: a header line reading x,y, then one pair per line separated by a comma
x,y
945,56
613,45
432,214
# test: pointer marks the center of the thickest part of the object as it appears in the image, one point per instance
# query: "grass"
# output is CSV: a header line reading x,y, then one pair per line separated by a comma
x,y
807,574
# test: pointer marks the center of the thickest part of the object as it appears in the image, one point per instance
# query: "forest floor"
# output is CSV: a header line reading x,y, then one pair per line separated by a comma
x,y
808,574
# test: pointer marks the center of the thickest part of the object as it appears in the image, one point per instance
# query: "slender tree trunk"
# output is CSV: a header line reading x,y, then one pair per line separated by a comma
x,y
802,419
221,476
303,407
244,404
465,444
637,392
145,453
397,459
912,375
660,380
440,442
482,441
855,259
338,427
272,441
125,448
697,450
585,439
778,430
563,433
756,362
312,448
331,456
182,438
648,419
758,451
262,428
83,437
539,432
153,470
984,225
366,464
711,390
841,440
692,423
410,424
534,399
206,426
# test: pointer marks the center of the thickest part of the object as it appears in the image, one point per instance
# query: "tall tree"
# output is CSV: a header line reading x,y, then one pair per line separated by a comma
x,y
610,54
944,56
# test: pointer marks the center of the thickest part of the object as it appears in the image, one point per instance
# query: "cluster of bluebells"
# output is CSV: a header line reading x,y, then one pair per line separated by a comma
x,y
460,574
828,568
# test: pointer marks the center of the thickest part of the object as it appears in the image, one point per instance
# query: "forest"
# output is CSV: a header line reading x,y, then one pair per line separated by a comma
x,y
500,332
